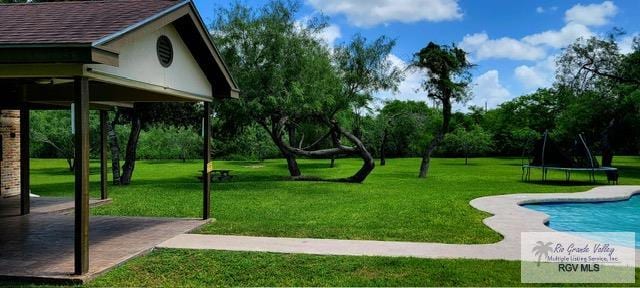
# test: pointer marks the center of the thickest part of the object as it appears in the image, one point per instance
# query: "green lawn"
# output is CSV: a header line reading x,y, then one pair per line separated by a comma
x,y
393,204
191,268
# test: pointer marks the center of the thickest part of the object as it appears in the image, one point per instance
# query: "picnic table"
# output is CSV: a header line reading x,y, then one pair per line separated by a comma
x,y
220,174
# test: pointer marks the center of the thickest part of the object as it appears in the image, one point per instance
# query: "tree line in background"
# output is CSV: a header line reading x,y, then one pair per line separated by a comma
x,y
302,98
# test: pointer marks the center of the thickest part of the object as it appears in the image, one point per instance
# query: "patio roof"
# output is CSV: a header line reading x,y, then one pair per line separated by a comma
x,y
53,34
76,22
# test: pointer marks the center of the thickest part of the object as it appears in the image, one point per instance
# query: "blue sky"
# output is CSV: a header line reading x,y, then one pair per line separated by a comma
x,y
513,42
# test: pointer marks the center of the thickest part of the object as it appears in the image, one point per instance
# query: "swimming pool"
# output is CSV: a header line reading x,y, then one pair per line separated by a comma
x,y
618,216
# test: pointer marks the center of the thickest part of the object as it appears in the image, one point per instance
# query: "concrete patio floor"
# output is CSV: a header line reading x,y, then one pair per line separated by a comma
x,y
39,247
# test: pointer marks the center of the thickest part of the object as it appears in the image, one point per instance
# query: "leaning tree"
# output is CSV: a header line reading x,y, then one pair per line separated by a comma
x,y
289,78
447,81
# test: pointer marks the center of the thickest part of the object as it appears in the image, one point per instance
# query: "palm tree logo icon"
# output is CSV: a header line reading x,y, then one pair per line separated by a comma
x,y
542,249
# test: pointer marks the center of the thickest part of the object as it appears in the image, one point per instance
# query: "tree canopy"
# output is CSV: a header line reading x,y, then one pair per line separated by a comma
x,y
289,79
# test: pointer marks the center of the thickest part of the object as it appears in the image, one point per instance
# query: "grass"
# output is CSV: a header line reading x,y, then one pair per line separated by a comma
x,y
192,268
393,204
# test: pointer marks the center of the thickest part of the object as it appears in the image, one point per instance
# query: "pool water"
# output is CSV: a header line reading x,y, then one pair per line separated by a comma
x,y
618,216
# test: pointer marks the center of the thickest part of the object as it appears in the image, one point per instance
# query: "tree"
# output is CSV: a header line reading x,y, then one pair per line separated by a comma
x,y
526,137
140,117
447,82
53,137
53,129
288,79
264,50
363,68
604,86
588,63
162,141
403,126
468,141
531,114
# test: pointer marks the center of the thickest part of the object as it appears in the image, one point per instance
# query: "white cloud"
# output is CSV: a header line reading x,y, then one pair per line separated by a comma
x,y
626,44
367,13
540,75
488,89
529,77
484,48
591,15
410,88
330,34
559,38
534,47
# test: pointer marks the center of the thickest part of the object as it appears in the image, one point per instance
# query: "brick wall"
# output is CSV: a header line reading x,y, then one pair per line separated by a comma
x,y
10,131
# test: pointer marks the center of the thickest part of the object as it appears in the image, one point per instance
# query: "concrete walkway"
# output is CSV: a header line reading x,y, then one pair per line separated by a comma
x,y
510,219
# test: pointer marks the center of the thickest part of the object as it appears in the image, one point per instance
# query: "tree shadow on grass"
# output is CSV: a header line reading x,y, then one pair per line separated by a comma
x,y
55,171
461,164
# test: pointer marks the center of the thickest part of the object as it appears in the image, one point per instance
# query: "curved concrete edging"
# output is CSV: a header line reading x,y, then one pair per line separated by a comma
x,y
509,219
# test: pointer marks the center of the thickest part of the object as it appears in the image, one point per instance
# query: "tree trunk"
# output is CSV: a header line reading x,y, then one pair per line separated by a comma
x,y
426,155
424,165
367,167
114,146
358,177
466,159
132,145
368,161
70,164
292,163
333,161
607,150
607,158
383,147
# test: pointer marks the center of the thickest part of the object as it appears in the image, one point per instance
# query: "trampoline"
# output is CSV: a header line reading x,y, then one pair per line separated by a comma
x,y
547,155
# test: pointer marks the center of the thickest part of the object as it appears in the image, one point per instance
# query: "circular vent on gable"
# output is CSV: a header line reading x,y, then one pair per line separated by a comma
x,y
165,51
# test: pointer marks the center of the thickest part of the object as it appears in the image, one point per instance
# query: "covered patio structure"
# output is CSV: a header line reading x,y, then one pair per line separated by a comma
x,y
83,55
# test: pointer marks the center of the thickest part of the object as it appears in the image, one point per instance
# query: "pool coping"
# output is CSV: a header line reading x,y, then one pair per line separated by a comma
x,y
510,219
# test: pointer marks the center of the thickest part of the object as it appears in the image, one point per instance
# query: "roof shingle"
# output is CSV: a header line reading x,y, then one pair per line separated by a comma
x,y
74,22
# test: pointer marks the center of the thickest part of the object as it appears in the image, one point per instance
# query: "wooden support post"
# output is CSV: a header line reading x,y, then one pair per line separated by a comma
x,y
25,183
206,171
104,194
81,162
